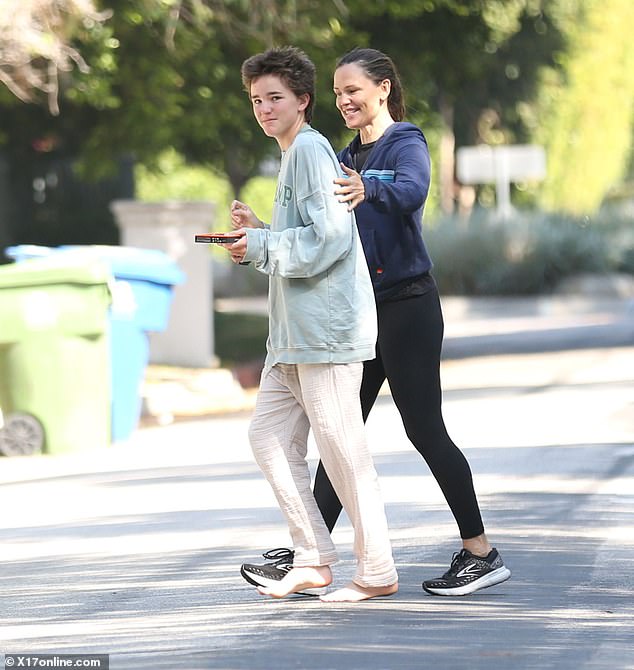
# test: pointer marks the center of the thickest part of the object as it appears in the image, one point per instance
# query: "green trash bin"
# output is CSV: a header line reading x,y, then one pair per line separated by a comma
x,y
54,352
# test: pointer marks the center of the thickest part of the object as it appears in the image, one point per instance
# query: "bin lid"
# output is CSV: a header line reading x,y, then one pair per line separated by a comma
x,y
22,252
135,263
53,296
124,262
53,270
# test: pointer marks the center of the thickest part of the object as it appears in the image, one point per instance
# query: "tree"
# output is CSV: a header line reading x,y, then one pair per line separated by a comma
x,y
220,129
35,48
470,67
165,74
588,107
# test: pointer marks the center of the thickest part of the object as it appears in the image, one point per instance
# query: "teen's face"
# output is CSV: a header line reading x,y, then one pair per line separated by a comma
x,y
277,109
358,98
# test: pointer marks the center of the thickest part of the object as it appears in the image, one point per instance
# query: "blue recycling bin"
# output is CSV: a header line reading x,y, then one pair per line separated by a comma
x,y
142,287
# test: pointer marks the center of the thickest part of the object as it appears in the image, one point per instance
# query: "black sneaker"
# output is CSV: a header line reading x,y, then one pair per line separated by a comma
x,y
269,574
469,573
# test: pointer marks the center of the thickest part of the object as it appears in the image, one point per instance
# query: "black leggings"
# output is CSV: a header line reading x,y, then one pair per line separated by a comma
x,y
408,355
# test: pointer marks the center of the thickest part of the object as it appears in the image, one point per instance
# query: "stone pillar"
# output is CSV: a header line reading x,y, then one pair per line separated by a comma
x,y
170,227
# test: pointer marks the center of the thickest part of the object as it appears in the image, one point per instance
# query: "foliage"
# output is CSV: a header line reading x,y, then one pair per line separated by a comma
x,y
470,70
478,58
530,254
463,253
35,48
165,74
259,194
240,337
588,108
171,178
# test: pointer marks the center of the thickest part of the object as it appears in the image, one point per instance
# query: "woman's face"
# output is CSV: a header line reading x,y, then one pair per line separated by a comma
x,y
358,98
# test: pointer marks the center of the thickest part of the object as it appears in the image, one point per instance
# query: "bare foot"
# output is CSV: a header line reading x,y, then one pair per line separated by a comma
x,y
353,593
299,579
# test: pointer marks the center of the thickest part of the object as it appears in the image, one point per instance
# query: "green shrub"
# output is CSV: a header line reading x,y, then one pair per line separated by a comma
x,y
240,337
529,254
482,255
464,253
173,179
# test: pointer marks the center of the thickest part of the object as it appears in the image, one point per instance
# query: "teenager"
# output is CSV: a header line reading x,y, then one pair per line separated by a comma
x,y
322,326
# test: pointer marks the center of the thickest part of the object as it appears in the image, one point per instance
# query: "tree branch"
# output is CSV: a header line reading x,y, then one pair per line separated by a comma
x,y
35,45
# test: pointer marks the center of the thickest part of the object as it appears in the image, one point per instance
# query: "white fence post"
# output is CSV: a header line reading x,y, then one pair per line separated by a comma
x,y
170,227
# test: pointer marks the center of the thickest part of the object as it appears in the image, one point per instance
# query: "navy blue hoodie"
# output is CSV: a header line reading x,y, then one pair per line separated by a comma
x,y
396,177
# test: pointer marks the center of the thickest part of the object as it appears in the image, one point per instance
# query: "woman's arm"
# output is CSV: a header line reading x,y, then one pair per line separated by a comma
x,y
402,186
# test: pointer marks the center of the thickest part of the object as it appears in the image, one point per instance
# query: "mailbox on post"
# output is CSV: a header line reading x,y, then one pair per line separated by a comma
x,y
500,165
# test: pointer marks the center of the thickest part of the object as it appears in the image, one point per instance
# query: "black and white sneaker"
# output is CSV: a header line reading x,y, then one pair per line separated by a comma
x,y
469,573
269,574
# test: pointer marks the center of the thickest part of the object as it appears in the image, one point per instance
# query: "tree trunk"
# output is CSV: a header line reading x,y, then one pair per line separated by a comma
x,y
447,158
236,175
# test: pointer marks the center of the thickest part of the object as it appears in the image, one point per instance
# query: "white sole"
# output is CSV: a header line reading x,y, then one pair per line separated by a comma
x,y
268,583
258,580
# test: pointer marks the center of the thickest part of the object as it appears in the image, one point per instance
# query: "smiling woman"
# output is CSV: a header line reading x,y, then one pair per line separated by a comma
x,y
361,93
388,174
359,99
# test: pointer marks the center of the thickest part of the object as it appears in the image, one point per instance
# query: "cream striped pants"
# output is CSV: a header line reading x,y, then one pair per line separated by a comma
x,y
324,397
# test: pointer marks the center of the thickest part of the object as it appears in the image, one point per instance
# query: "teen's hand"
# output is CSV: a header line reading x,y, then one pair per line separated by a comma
x,y
238,249
242,216
351,188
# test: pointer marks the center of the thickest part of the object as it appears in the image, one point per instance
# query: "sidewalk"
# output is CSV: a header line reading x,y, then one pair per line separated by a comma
x,y
474,328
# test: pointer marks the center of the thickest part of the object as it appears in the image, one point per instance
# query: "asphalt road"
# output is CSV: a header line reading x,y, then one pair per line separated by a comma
x,y
134,551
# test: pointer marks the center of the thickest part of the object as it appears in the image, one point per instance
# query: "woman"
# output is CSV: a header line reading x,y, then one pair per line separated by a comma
x,y
387,171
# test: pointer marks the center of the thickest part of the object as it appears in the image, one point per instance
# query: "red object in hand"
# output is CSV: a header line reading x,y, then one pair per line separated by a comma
x,y
218,238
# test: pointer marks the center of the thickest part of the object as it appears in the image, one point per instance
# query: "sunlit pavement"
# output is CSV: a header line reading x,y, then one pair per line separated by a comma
x,y
135,551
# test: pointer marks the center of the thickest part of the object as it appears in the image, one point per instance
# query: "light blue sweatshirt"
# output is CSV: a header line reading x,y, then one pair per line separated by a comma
x,y
321,302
